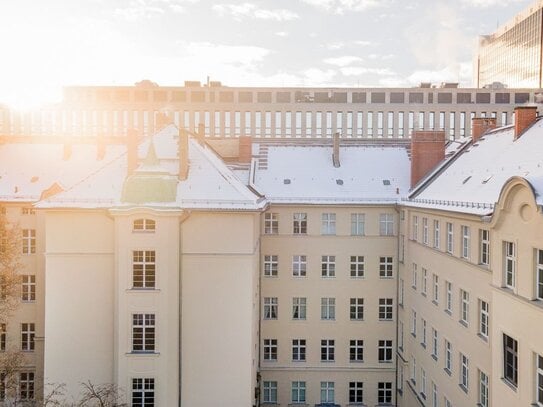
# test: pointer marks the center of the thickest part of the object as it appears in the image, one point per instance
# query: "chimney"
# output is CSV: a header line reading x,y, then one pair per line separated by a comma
x,y
201,133
245,149
183,153
100,147
524,117
335,152
480,125
427,150
132,151
67,151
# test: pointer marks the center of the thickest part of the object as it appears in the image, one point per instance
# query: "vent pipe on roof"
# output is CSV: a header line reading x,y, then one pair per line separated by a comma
x,y
335,152
245,149
427,151
132,151
183,154
524,117
480,125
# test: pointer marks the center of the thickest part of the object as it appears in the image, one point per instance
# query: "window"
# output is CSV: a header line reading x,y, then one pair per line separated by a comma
x,y
299,307
386,267
385,351
270,307
270,349
298,392
385,309
464,372
424,287
357,266
386,224
425,230
143,268
271,223
413,370
434,343
434,395
539,274
510,360
539,380
414,322
328,226
328,266
28,286
327,392
450,238
299,266
328,308
400,335
28,211
437,235
448,356
356,393
423,332
448,297
510,264
483,389
415,228
464,307
357,224
447,402
484,237
414,277
3,331
2,384
435,288
356,350
26,385
270,392
143,332
423,383
298,350
401,293
27,336
357,309
327,350
143,392
465,242
271,264
144,225
384,392
299,224
29,241
484,318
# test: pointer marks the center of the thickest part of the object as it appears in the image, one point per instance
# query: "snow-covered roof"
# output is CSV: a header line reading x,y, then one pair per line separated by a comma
x,y
473,180
306,174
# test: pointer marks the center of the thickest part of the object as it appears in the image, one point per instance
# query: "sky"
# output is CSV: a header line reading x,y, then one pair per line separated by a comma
x,y
330,43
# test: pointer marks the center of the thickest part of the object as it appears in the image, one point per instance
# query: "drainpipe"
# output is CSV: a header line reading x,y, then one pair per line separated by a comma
x,y
185,215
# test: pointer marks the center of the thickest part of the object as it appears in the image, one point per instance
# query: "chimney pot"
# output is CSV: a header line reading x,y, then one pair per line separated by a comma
x,y
524,117
480,125
245,149
427,150
183,153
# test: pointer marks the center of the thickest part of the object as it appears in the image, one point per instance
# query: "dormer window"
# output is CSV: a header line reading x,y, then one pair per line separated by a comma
x,y
144,225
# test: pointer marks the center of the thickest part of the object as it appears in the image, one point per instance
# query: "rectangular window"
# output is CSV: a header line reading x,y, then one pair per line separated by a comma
x,y
415,228
510,360
386,267
385,351
270,349
28,331
425,231
423,332
299,265
483,389
327,350
143,332
298,350
448,356
144,225
413,370
26,385
271,264
269,392
356,392
539,274
450,238
423,383
435,288
271,308
298,392
400,335
414,322
143,392
464,372
424,285
357,224
29,241
509,264
484,246
328,308
386,224
3,331
328,226
464,307
414,277
357,266
357,309
434,395
385,309
434,343
465,242
143,268
328,266
28,286
327,392
484,318
299,307
437,240
448,297
356,350
539,380
271,223
401,292
299,224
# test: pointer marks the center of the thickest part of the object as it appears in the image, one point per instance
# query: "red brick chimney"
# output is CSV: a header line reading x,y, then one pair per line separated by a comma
x,y
335,151
524,117
480,125
201,133
427,150
183,153
67,151
132,151
245,149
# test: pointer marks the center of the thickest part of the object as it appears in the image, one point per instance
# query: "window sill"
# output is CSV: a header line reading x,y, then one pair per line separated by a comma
x,y
423,345
447,371
482,337
435,303
28,301
142,290
463,323
386,277
509,384
423,294
385,361
464,388
143,353
434,357
448,312
356,361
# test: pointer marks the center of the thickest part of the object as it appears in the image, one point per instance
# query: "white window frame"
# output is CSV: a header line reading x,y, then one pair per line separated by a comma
x,y
358,221
386,267
448,356
144,225
424,285
401,292
435,288
144,390
384,351
327,392
464,307
484,247
299,350
143,269
356,309
435,347
539,274
510,264
29,241
299,308
356,392
484,318
465,241
413,322
386,224
423,383
423,326
328,266
26,386
437,236
327,350
434,395
513,353
271,265
384,393
414,276
386,307
299,265
269,391
328,224
415,235
464,371
328,308
448,297
143,333
357,267
425,231
483,396
450,238
356,350
271,308
28,288
539,379
271,223
28,332
299,223
270,346
298,391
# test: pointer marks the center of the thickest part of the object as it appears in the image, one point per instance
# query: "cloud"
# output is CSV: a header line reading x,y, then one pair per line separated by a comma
x,y
249,10
335,45
343,61
380,57
316,76
340,6
460,73
281,34
358,70
489,3
142,9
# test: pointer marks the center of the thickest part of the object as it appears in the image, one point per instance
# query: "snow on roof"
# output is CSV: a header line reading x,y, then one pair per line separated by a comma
x,y
473,181
306,174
